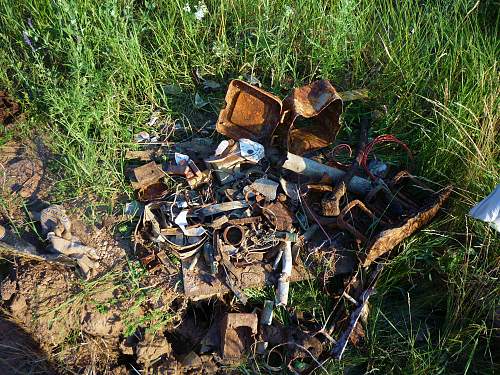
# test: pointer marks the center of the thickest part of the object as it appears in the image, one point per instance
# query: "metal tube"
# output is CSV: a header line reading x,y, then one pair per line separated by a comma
x,y
284,280
266,317
234,235
311,168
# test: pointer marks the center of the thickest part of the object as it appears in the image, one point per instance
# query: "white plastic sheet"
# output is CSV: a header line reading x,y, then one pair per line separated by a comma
x,y
488,210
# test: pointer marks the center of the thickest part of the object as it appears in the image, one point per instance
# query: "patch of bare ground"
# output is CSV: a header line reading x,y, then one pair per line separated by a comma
x,y
55,322
9,109
19,353
84,325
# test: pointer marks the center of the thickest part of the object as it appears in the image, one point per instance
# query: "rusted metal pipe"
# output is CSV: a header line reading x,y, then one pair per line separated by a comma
x,y
311,168
234,235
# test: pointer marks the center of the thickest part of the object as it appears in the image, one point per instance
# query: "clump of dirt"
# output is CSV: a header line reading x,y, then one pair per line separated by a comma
x,y
152,348
36,294
83,325
9,109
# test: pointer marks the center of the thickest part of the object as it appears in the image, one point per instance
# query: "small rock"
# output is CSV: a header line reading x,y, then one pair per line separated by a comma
x,y
101,324
151,348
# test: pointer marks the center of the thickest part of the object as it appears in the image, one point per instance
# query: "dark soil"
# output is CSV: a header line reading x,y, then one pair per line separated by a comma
x,y
9,109
19,353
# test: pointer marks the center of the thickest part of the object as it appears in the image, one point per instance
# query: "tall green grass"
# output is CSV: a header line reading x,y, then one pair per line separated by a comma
x,y
95,71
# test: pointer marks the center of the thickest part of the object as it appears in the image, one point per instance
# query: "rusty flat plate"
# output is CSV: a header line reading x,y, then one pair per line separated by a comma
x,y
250,112
238,331
199,285
279,215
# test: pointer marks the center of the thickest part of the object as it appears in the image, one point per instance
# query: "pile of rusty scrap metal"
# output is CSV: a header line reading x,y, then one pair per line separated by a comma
x,y
271,204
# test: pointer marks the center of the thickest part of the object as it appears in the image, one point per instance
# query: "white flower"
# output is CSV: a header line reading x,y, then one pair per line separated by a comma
x,y
288,11
201,10
187,8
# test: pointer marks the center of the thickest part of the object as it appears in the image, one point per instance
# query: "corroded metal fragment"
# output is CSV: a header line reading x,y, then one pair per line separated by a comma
x,y
250,112
253,113
319,102
238,332
390,238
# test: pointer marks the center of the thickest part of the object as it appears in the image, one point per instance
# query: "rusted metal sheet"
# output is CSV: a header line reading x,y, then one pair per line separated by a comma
x,y
144,155
245,220
179,170
238,331
390,238
153,192
319,102
146,175
219,208
250,112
